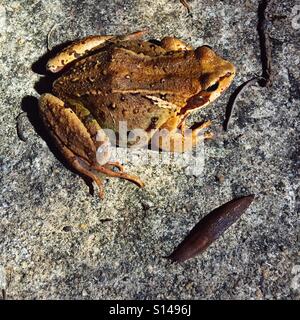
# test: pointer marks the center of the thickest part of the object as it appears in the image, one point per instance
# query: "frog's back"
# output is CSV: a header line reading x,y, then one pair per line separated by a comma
x,y
144,68
139,81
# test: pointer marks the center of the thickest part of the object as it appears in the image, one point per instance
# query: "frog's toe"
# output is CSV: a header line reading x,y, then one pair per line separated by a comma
x,y
135,35
116,164
83,167
121,174
199,128
180,140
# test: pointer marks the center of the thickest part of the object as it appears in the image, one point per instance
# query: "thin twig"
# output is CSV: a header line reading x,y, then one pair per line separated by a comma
x,y
49,35
266,59
234,97
185,3
265,42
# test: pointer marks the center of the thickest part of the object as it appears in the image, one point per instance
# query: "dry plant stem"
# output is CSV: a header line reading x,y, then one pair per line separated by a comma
x,y
49,48
185,3
265,42
234,98
266,59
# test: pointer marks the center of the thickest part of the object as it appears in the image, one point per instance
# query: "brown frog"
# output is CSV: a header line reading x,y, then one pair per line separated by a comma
x,y
152,85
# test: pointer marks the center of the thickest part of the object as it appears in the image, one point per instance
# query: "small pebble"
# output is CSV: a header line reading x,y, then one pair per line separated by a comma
x,y
147,205
83,226
220,178
84,293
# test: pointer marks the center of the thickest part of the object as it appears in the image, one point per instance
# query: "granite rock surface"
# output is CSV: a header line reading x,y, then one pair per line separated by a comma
x,y
59,241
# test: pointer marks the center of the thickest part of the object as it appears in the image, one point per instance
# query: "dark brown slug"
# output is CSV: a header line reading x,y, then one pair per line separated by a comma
x,y
211,227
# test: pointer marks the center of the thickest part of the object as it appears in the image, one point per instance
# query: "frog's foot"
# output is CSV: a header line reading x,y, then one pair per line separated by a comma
x,y
115,164
80,48
92,171
182,139
199,132
174,44
74,131
109,172
81,166
198,128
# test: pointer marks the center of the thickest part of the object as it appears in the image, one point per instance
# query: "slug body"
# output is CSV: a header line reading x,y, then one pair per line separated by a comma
x,y
210,228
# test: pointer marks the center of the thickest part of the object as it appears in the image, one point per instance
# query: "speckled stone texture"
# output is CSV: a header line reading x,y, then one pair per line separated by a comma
x,y
58,241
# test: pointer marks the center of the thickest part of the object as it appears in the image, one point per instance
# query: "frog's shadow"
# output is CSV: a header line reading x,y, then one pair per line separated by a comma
x,y
44,84
30,106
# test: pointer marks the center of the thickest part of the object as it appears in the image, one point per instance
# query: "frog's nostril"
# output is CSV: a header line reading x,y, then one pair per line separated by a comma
x,y
214,87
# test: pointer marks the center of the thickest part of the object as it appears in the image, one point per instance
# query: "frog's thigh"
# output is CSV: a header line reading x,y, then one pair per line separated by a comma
x,y
174,44
76,50
88,121
70,135
74,140
67,127
98,136
80,48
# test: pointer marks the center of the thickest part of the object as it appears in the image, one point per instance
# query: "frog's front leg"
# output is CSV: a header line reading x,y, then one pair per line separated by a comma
x,y
77,134
179,138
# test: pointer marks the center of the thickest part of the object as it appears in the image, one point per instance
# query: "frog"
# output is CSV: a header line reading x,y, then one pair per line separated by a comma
x,y
152,85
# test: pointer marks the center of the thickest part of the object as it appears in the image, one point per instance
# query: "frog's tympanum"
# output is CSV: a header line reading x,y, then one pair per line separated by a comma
x,y
152,85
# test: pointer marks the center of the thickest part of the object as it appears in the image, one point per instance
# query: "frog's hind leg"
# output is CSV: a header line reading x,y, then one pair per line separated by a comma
x,y
83,47
133,36
115,164
80,165
76,50
118,174
75,136
174,44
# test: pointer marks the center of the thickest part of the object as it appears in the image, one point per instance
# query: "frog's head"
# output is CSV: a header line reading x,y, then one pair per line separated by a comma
x,y
217,73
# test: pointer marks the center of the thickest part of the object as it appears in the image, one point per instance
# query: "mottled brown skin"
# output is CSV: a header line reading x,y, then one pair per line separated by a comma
x,y
108,79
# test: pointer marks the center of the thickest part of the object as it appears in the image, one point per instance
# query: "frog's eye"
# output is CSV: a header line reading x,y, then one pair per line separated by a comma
x,y
214,87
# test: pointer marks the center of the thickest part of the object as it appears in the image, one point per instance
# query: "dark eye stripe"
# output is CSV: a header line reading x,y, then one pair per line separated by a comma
x,y
213,87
